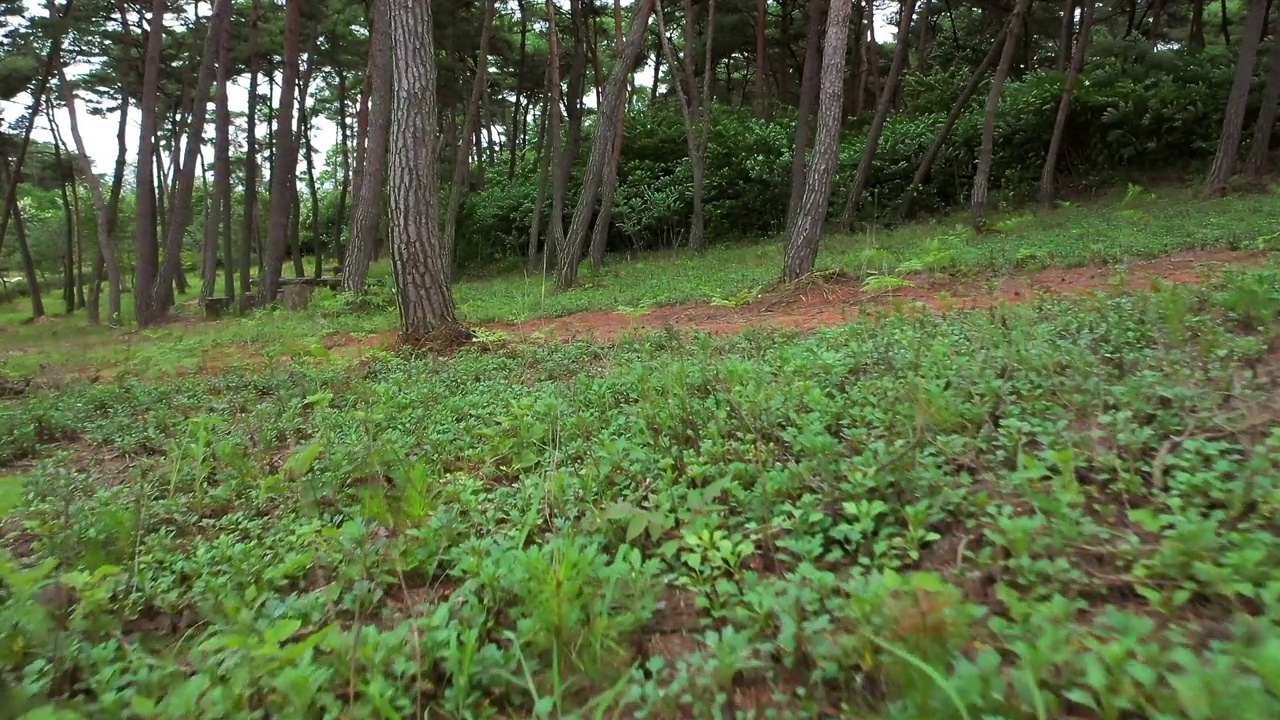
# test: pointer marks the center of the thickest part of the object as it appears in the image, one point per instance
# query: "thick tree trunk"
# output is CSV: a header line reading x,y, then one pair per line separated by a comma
x,y
417,252
284,169
953,116
906,11
762,70
808,98
371,179
1048,176
248,240
1224,161
1258,162
102,217
805,231
1065,35
543,154
146,237
602,144
461,163
609,189
982,178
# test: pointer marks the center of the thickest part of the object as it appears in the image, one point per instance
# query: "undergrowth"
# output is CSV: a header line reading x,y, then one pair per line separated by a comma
x,y
1066,508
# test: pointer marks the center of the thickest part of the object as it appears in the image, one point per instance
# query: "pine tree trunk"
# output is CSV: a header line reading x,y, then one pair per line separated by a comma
x,y
284,167
953,116
560,153
301,128
417,252
808,98
1224,161
692,109
209,245
1195,35
344,149
146,237
248,240
371,179
1065,34
860,181
1258,162
68,217
982,178
762,92
518,110
106,244
461,162
804,233
313,196
1048,176
609,189
602,144
222,162
543,154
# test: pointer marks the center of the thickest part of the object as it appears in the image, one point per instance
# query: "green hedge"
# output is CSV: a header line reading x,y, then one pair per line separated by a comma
x,y
1149,111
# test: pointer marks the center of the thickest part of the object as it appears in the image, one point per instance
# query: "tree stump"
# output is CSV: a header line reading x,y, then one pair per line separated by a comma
x,y
297,297
215,307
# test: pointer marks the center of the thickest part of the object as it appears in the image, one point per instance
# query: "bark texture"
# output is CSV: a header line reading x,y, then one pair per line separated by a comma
x,y
371,179
1258,161
1224,160
982,178
284,169
1048,176
804,232
808,98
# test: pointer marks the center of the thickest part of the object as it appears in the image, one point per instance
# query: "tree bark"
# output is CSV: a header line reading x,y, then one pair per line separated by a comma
x,y
808,98
544,172
906,12
146,236
761,90
1065,34
222,161
102,214
804,232
1258,162
371,180
1226,23
982,178
1048,176
417,250
1224,161
69,217
285,168
517,111
461,162
313,196
609,188
248,241
602,144
953,116
344,148
209,245
1195,34
560,153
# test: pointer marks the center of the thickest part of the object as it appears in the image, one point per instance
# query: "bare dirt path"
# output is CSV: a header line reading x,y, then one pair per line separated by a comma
x,y
824,303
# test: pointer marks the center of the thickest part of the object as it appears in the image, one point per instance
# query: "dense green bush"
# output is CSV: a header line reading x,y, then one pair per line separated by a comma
x,y
1133,111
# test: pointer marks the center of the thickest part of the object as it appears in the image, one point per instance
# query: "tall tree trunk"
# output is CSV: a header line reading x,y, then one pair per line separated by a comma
x,y
1258,161
417,250
1049,175
209,245
602,145
1065,34
1224,161
344,149
805,231
808,98
1226,23
180,210
762,70
1195,35
576,99
560,152
609,188
371,179
953,116
102,259
69,218
906,11
543,155
313,196
10,179
871,49
248,241
301,128
981,179
522,66
692,108
146,237
461,165
222,161
285,168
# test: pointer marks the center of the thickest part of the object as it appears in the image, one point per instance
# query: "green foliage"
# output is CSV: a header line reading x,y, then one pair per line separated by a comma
x,y
1048,510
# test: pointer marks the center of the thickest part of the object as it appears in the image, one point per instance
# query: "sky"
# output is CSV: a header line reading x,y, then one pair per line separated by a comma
x,y
99,132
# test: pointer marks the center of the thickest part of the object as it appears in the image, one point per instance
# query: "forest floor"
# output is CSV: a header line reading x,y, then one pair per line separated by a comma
x,y
1031,474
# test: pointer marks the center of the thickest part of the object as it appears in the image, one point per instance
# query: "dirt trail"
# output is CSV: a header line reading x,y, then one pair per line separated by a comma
x,y
825,303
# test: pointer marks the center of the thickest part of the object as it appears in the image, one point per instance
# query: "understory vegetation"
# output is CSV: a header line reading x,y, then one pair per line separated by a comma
x,y
1061,508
